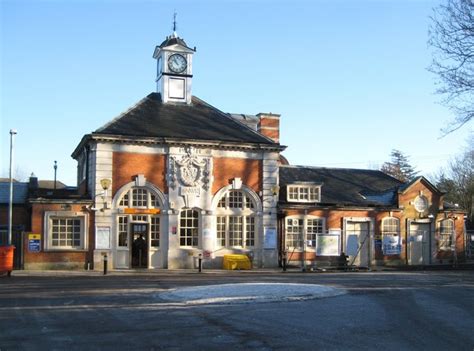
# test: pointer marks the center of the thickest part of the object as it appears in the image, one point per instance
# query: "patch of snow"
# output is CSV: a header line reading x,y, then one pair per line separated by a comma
x,y
248,292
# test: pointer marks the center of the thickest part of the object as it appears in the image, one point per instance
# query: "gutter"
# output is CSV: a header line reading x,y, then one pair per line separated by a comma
x,y
173,141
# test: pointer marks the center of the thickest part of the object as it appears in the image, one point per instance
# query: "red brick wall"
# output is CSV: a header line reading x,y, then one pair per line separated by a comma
x,y
269,125
127,165
404,200
334,219
225,169
37,227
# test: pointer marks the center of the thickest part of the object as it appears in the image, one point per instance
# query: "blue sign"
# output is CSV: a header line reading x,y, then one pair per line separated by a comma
x,y
391,245
34,243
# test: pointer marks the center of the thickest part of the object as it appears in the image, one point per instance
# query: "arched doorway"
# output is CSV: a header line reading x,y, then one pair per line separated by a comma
x,y
138,227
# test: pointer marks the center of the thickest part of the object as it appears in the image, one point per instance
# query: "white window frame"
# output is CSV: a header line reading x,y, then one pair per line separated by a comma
x,y
129,220
304,227
150,202
198,227
389,233
49,216
303,191
244,213
450,242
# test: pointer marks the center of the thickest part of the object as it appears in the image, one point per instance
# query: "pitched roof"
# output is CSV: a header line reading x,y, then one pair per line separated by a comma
x,y
358,187
426,182
197,121
173,40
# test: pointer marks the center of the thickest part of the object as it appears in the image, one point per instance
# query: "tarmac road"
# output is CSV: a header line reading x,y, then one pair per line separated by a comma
x,y
123,311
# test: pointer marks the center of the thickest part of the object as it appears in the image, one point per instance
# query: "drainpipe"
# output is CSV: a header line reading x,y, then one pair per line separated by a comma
x,y
303,266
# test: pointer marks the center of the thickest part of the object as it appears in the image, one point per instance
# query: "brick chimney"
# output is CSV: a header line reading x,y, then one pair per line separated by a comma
x,y
33,186
269,125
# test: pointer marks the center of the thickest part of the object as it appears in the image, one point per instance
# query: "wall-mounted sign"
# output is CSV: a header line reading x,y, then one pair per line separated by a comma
x,y
102,238
151,211
328,245
391,245
270,238
34,242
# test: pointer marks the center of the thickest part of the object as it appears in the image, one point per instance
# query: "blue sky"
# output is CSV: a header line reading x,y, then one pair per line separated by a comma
x,y
348,77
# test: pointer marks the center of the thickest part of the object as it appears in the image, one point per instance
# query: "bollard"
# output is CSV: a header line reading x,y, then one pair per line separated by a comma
x,y
105,264
284,261
200,263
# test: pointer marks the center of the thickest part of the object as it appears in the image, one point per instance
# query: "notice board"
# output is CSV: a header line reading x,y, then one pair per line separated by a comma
x,y
102,238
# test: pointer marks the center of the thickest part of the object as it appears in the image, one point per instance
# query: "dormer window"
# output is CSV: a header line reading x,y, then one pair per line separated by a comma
x,y
304,193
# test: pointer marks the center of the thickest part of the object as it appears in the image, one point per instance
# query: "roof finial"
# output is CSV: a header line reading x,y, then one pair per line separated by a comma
x,y
174,24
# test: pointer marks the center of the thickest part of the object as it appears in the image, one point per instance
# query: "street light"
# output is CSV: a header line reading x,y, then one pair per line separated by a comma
x,y
10,203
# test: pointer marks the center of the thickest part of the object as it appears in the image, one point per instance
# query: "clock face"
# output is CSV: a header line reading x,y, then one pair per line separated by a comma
x,y
177,63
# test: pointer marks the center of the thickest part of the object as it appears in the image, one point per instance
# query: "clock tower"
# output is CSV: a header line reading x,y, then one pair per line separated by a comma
x,y
174,70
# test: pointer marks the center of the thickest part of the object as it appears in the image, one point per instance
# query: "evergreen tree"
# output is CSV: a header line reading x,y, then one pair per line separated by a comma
x,y
399,167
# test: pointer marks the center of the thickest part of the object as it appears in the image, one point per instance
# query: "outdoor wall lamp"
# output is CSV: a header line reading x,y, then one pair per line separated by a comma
x,y
105,184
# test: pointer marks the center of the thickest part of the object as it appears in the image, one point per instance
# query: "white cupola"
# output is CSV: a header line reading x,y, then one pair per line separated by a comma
x,y
174,72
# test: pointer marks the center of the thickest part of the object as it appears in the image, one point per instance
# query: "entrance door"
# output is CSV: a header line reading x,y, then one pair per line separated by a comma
x,y
139,245
419,247
358,243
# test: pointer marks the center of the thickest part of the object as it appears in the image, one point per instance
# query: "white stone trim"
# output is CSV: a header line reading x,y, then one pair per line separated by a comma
x,y
47,234
150,186
222,191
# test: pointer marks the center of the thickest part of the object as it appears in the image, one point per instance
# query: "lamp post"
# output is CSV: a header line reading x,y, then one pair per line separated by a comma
x,y
10,202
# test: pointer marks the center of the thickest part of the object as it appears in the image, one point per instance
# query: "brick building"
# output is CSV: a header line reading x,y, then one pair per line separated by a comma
x,y
174,177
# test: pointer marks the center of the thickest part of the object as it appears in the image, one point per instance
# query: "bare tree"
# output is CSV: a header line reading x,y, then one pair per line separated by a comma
x,y
452,38
399,167
458,181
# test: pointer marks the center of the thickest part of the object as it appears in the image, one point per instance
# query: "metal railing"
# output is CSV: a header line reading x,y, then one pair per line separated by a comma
x,y
470,244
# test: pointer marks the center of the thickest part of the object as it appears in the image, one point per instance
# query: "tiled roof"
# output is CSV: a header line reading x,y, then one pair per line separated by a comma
x,y
20,192
343,186
198,121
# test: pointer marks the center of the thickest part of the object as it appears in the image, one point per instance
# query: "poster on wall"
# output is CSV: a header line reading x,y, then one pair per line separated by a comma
x,y
102,238
270,238
34,242
391,245
328,244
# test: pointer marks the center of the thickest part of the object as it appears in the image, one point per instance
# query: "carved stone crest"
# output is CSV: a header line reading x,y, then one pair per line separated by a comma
x,y
189,170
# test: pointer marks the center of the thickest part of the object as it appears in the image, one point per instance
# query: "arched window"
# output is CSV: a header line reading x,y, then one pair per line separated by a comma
x,y
391,236
189,228
446,232
139,198
236,223
390,226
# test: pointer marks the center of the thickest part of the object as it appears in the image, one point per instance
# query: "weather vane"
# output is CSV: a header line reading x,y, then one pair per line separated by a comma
x,y
174,22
